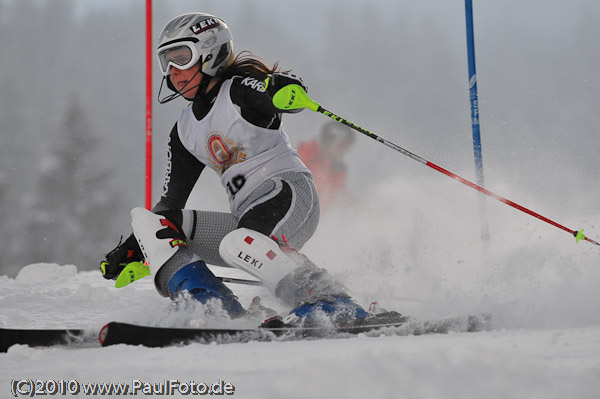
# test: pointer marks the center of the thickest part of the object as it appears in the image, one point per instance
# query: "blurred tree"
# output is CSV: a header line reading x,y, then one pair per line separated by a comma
x,y
72,202
47,178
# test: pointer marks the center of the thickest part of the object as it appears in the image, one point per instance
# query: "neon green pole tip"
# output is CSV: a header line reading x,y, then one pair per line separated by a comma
x,y
132,272
579,236
293,97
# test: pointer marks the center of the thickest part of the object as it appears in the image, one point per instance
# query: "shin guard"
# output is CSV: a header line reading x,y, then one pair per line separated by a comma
x,y
159,239
258,255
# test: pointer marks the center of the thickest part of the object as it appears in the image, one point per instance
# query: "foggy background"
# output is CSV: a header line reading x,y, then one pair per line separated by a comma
x,y
72,124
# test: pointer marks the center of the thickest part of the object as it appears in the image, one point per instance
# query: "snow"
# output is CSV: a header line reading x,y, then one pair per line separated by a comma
x,y
497,364
423,258
410,237
410,243
530,357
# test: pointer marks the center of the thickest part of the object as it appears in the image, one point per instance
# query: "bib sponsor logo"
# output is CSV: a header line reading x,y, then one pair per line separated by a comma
x,y
223,152
219,150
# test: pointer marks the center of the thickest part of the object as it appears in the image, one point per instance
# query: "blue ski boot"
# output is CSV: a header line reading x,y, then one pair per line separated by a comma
x,y
202,285
334,311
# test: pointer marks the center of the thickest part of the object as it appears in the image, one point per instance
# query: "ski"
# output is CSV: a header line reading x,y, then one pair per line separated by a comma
x,y
115,332
132,334
38,337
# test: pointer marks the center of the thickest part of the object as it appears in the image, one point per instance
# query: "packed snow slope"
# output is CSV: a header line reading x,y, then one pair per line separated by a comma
x,y
557,362
423,258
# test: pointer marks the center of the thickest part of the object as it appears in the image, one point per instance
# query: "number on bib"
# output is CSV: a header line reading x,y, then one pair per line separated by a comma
x,y
236,184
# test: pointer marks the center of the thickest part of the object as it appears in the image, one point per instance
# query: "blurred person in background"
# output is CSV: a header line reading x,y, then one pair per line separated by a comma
x,y
325,158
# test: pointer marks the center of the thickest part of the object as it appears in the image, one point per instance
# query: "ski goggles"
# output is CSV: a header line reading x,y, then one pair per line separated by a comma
x,y
181,55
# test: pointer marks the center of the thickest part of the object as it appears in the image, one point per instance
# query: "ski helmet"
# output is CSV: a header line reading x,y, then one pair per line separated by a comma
x,y
192,38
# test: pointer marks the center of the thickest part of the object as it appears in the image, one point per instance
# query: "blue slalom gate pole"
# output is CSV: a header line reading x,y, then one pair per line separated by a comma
x,y
485,235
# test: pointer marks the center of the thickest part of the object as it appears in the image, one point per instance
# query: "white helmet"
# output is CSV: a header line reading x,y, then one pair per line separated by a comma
x,y
192,38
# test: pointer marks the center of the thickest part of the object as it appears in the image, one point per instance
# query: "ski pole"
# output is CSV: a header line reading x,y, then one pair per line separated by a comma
x,y
134,271
294,97
239,281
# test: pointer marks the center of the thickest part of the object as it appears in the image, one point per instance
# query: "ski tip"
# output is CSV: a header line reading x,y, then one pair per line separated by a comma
x,y
103,334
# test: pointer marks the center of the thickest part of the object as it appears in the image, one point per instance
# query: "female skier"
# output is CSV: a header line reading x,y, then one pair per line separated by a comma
x,y
232,127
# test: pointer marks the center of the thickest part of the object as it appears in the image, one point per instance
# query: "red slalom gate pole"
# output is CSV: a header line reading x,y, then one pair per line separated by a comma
x,y
148,104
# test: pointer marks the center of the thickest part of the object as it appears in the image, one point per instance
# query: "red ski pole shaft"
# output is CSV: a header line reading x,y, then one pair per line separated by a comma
x,y
576,234
294,97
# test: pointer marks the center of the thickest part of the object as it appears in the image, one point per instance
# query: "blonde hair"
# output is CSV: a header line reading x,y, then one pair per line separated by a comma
x,y
247,64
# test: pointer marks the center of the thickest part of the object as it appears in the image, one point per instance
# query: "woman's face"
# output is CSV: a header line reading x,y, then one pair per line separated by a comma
x,y
186,81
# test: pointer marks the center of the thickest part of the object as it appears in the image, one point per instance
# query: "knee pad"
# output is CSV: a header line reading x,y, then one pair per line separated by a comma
x,y
258,255
159,238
